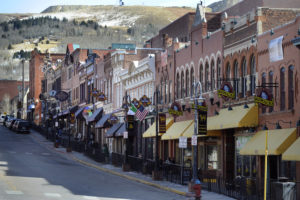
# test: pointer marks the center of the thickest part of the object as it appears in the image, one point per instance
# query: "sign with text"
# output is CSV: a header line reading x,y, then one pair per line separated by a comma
x,y
125,135
264,97
162,122
175,109
182,142
61,96
130,121
145,101
194,140
226,91
202,121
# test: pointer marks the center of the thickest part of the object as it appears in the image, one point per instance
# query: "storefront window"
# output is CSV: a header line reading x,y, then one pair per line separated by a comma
x,y
212,157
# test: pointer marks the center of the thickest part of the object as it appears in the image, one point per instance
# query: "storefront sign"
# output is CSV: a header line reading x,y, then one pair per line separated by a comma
x,y
136,103
182,142
202,121
175,109
101,96
145,101
226,91
264,97
130,121
125,135
61,96
162,122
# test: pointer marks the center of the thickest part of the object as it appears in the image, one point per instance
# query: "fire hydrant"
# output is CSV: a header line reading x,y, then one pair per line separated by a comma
x,y
197,189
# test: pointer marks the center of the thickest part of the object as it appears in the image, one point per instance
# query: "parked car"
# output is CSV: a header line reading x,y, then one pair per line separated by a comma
x,y
11,123
2,117
21,126
7,117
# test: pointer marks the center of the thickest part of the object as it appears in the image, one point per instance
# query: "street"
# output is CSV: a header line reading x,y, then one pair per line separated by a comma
x,y
28,170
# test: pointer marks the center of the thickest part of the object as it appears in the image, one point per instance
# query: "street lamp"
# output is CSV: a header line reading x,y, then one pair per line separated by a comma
x,y
195,147
125,166
156,175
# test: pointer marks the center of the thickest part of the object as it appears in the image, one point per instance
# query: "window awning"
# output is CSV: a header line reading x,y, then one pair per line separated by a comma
x,y
190,131
278,141
293,152
73,109
176,130
111,132
78,112
103,120
236,118
95,116
121,130
151,131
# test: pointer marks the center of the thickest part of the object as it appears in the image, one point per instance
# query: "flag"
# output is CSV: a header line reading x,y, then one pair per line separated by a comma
x,y
141,113
132,110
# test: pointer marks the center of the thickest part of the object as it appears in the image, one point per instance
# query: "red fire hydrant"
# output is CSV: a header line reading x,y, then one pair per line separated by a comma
x,y
197,189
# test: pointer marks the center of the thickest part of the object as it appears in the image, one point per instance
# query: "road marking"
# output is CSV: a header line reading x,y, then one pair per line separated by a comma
x,y
52,195
90,198
10,185
28,153
12,152
13,192
46,154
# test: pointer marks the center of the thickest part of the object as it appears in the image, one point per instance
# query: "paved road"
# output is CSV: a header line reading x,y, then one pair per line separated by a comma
x,y
29,171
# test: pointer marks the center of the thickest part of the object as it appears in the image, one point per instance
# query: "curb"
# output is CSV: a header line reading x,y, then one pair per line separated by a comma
x,y
129,177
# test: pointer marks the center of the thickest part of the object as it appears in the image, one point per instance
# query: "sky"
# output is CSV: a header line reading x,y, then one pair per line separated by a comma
x,y
37,6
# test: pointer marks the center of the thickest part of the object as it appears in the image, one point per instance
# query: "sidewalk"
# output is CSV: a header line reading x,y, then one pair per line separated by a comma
x,y
134,176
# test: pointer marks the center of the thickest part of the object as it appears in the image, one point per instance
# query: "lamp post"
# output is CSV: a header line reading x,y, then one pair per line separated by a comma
x,y
156,175
195,147
125,165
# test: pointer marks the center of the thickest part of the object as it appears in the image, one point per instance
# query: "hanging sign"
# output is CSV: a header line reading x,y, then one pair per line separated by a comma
x,y
182,142
226,91
162,122
145,101
175,109
264,97
130,121
61,96
95,92
125,135
136,103
101,96
202,121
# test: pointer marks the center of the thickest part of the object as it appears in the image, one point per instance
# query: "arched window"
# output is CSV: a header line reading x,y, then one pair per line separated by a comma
x,y
177,86
271,74
187,83
282,89
263,81
192,81
182,84
236,78
218,73
206,77
252,74
212,75
228,71
244,77
201,74
291,87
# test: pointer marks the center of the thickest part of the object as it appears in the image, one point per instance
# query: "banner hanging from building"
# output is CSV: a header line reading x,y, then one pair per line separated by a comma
x,y
202,120
162,122
264,97
275,49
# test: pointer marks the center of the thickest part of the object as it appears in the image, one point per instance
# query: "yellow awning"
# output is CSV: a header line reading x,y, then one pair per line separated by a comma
x,y
176,130
235,118
293,152
190,131
151,131
278,141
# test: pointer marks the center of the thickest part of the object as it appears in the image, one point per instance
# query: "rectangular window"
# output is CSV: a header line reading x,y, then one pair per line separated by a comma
x,y
212,157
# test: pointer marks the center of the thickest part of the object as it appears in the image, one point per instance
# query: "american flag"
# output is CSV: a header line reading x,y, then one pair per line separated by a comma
x,y
141,113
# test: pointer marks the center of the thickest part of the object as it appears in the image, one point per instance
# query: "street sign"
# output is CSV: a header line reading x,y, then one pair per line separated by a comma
x,y
194,140
182,142
162,122
125,135
202,121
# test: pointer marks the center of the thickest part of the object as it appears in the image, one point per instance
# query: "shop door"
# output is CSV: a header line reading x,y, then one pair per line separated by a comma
x,y
229,154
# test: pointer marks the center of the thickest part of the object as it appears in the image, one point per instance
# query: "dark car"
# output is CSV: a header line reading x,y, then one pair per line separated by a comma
x,y
9,123
22,126
6,119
